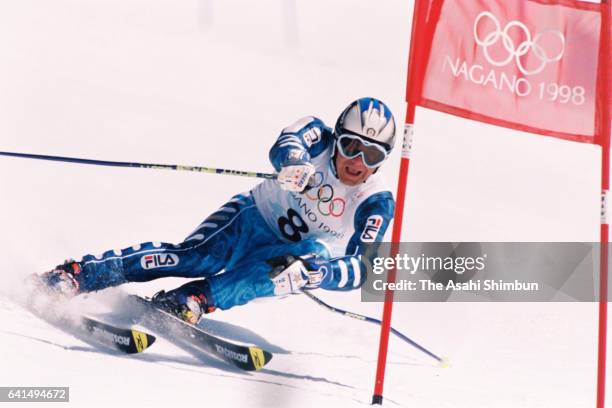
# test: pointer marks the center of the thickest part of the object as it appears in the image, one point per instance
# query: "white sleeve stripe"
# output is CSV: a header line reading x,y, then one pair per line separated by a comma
x,y
294,144
197,237
227,209
343,274
356,271
284,138
292,140
208,225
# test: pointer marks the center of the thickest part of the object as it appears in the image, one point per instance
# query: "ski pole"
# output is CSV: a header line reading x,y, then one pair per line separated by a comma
x,y
375,321
180,167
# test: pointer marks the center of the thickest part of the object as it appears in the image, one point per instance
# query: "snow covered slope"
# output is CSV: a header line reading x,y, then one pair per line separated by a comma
x,y
211,83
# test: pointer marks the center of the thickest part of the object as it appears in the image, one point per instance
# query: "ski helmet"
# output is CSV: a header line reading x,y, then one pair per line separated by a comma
x,y
370,120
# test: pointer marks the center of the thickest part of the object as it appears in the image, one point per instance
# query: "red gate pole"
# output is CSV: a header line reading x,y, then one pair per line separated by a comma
x,y
605,102
377,398
603,280
421,34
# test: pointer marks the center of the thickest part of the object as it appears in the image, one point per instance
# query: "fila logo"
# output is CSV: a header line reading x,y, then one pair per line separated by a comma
x,y
158,261
370,232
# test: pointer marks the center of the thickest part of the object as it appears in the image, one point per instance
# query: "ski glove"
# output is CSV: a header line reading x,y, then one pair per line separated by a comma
x,y
316,270
289,274
295,174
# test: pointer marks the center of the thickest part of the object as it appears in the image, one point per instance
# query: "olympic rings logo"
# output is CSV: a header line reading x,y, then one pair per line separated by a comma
x,y
516,52
327,204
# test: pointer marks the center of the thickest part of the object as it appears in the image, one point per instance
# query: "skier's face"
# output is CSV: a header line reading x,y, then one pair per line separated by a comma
x,y
352,171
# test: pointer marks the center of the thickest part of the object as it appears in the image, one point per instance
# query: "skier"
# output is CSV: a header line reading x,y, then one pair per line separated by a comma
x,y
307,229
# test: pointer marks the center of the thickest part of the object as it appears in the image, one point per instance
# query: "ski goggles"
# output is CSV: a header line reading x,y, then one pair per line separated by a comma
x,y
351,146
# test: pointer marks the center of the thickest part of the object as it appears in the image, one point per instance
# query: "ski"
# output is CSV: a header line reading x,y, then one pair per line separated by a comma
x,y
249,358
50,307
130,341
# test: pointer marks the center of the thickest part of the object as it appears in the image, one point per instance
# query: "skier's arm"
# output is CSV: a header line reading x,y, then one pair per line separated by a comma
x,y
371,221
295,147
306,138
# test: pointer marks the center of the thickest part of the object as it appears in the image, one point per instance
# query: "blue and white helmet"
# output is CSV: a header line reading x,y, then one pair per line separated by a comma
x,y
369,118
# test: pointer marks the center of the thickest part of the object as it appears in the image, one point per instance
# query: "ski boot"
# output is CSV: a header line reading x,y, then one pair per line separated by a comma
x,y
188,302
62,280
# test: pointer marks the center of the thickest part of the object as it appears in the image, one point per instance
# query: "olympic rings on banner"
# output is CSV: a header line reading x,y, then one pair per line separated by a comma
x,y
516,51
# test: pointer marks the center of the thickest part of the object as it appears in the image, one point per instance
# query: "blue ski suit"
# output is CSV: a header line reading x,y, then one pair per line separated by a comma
x,y
230,248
